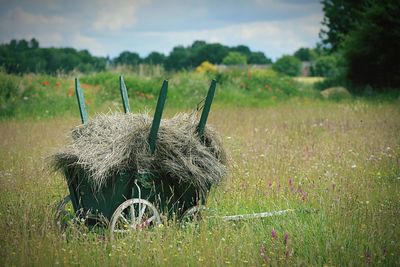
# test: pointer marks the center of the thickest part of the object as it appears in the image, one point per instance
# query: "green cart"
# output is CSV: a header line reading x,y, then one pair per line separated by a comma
x,y
131,201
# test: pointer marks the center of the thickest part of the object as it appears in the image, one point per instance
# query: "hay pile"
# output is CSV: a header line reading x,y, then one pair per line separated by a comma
x,y
110,144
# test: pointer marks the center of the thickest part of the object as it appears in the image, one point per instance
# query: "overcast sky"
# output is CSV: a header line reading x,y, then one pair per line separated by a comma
x,y
110,27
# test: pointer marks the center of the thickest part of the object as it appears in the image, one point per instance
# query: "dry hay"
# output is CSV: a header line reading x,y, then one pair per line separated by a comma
x,y
114,143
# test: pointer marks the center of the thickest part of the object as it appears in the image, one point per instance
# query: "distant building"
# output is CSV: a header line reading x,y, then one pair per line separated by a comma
x,y
306,68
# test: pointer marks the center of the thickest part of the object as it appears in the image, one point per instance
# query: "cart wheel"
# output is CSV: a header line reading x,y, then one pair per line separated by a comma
x,y
193,214
64,213
133,214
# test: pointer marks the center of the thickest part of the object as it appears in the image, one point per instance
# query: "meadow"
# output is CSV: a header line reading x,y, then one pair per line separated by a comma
x,y
336,163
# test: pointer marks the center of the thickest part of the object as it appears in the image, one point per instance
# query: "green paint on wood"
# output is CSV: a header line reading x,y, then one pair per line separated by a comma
x,y
124,94
206,108
81,102
157,116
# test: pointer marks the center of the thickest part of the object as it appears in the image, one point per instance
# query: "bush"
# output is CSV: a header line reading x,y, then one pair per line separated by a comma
x,y
288,65
327,66
206,67
235,58
10,94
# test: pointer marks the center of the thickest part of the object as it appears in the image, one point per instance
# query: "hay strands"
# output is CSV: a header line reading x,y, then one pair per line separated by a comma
x,y
159,108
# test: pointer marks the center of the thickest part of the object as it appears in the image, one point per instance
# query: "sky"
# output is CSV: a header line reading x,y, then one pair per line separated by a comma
x,y
109,27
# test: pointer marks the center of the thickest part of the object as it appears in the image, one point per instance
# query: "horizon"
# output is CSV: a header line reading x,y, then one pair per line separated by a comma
x,y
106,29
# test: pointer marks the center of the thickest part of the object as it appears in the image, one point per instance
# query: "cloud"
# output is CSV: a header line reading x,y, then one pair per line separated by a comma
x,y
50,30
272,37
115,15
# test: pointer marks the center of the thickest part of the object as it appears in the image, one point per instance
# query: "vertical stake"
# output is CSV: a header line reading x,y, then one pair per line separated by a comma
x,y
81,102
157,116
206,109
124,94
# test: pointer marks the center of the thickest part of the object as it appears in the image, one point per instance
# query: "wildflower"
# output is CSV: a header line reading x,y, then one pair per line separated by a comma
x,y
273,234
285,238
263,252
45,83
290,182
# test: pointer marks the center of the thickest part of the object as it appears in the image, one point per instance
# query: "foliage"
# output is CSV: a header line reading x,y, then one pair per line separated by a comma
x,y
367,34
305,54
289,65
25,57
258,58
340,17
155,58
329,65
372,46
37,96
127,58
235,58
206,67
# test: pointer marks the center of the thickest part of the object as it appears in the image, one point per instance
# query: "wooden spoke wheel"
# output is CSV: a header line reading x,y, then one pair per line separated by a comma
x,y
133,214
193,214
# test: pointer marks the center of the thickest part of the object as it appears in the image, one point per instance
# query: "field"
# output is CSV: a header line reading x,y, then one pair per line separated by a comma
x,y
335,163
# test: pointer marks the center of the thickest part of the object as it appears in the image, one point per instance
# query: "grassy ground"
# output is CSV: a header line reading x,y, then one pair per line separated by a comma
x,y
342,159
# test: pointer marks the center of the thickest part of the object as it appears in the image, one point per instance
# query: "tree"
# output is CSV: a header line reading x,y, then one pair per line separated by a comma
x,y
127,58
258,58
305,54
340,17
368,35
372,48
327,66
178,59
235,58
213,53
155,58
289,65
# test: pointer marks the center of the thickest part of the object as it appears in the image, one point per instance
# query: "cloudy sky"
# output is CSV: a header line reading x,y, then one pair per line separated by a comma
x,y
108,27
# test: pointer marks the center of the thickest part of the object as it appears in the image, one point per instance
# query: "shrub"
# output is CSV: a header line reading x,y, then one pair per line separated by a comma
x,y
288,65
235,58
206,67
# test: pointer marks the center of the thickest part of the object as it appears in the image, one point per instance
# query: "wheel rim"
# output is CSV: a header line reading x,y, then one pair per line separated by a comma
x,y
64,212
133,214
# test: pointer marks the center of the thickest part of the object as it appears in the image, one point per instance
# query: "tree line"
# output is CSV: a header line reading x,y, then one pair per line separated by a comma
x,y
21,56
364,38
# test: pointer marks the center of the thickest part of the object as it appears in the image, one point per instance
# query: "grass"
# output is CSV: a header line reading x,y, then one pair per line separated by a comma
x,y
37,96
342,159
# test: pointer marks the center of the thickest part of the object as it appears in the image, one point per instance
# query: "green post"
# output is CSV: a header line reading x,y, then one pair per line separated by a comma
x,y
81,102
124,94
206,109
157,116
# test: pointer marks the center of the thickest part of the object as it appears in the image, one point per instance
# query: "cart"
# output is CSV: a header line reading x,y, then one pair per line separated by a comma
x,y
131,201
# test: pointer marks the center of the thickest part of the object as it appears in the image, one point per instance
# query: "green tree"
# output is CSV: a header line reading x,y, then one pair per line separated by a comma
x,y
289,65
235,58
127,58
327,66
258,58
155,58
367,34
339,18
178,59
305,54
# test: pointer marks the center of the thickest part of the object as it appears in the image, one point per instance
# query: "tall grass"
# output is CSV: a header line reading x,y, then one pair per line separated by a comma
x,y
341,159
43,96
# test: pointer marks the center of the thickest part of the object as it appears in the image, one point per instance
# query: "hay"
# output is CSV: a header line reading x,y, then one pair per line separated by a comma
x,y
115,143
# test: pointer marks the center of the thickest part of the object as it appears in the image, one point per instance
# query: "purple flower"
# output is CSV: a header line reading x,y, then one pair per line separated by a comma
x,y
285,238
273,234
